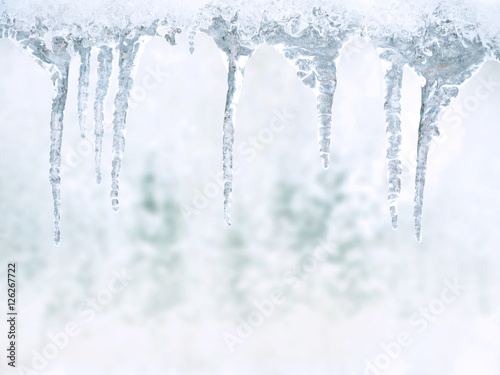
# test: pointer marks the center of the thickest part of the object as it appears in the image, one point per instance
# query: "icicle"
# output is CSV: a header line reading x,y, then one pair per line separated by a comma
x,y
315,56
326,84
446,60
434,98
130,46
319,73
238,51
83,83
56,62
392,107
236,68
104,70
60,81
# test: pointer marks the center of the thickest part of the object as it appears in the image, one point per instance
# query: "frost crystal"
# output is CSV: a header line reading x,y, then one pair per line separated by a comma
x,y
442,41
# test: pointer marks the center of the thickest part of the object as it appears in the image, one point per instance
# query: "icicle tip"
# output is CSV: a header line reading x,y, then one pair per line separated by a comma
x,y
418,234
394,217
57,238
325,160
115,204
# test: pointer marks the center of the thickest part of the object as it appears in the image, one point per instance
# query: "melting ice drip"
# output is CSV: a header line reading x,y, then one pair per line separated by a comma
x,y
443,52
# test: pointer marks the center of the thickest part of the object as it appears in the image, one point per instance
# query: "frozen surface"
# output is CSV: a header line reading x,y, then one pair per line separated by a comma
x,y
444,42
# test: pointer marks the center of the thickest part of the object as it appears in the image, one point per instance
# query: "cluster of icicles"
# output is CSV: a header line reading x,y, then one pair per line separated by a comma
x,y
442,53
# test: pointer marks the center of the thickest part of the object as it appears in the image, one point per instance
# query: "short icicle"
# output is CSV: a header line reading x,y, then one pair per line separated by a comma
x,y
325,89
83,83
315,56
236,65
104,70
130,47
392,107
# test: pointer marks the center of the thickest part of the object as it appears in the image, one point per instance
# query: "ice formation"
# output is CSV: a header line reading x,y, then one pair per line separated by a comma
x,y
104,69
444,42
129,45
83,82
238,50
56,61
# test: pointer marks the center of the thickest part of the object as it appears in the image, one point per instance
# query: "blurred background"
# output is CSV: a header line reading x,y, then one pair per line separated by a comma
x,y
165,287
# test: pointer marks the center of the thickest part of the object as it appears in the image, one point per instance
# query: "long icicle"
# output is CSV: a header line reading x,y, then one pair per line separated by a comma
x,y
129,49
56,62
429,116
236,69
104,70
60,81
392,107
83,85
